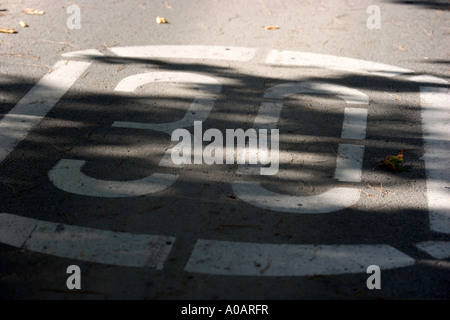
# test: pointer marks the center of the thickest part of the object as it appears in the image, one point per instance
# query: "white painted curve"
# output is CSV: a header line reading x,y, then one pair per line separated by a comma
x,y
86,244
349,159
67,176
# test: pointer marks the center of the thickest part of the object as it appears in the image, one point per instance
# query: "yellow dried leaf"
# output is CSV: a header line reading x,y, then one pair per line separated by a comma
x,y
7,30
271,27
429,33
399,47
393,163
33,11
160,20
23,24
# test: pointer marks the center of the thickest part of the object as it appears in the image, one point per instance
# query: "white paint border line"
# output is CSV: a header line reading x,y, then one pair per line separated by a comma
x,y
282,260
435,106
315,60
80,243
31,118
436,249
83,54
15,126
187,52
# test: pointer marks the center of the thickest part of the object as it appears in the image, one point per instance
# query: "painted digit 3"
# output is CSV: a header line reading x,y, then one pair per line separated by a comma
x,y
198,111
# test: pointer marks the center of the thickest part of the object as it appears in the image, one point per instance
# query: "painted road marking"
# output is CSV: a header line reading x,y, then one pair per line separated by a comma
x,y
198,110
314,60
86,54
349,95
348,163
257,259
268,115
14,127
94,245
435,106
355,124
435,103
187,52
52,238
436,249
332,200
66,175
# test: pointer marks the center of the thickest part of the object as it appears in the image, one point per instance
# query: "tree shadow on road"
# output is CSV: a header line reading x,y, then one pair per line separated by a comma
x,y
430,4
201,204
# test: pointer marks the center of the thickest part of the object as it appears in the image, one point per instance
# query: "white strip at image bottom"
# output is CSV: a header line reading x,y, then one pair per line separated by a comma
x,y
209,256
87,244
259,259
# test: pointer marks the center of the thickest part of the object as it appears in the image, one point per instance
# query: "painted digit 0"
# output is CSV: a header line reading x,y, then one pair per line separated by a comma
x,y
349,159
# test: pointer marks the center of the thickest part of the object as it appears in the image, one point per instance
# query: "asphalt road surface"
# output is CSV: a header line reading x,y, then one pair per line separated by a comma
x,y
91,92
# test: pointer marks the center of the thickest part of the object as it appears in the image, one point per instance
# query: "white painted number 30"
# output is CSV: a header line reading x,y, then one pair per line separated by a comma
x,y
349,156
349,159
227,257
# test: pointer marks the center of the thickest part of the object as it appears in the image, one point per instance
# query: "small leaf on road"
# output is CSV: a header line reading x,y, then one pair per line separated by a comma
x,y
429,33
160,20
392,163
400,48
33,11
9,30
271,27
396,97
